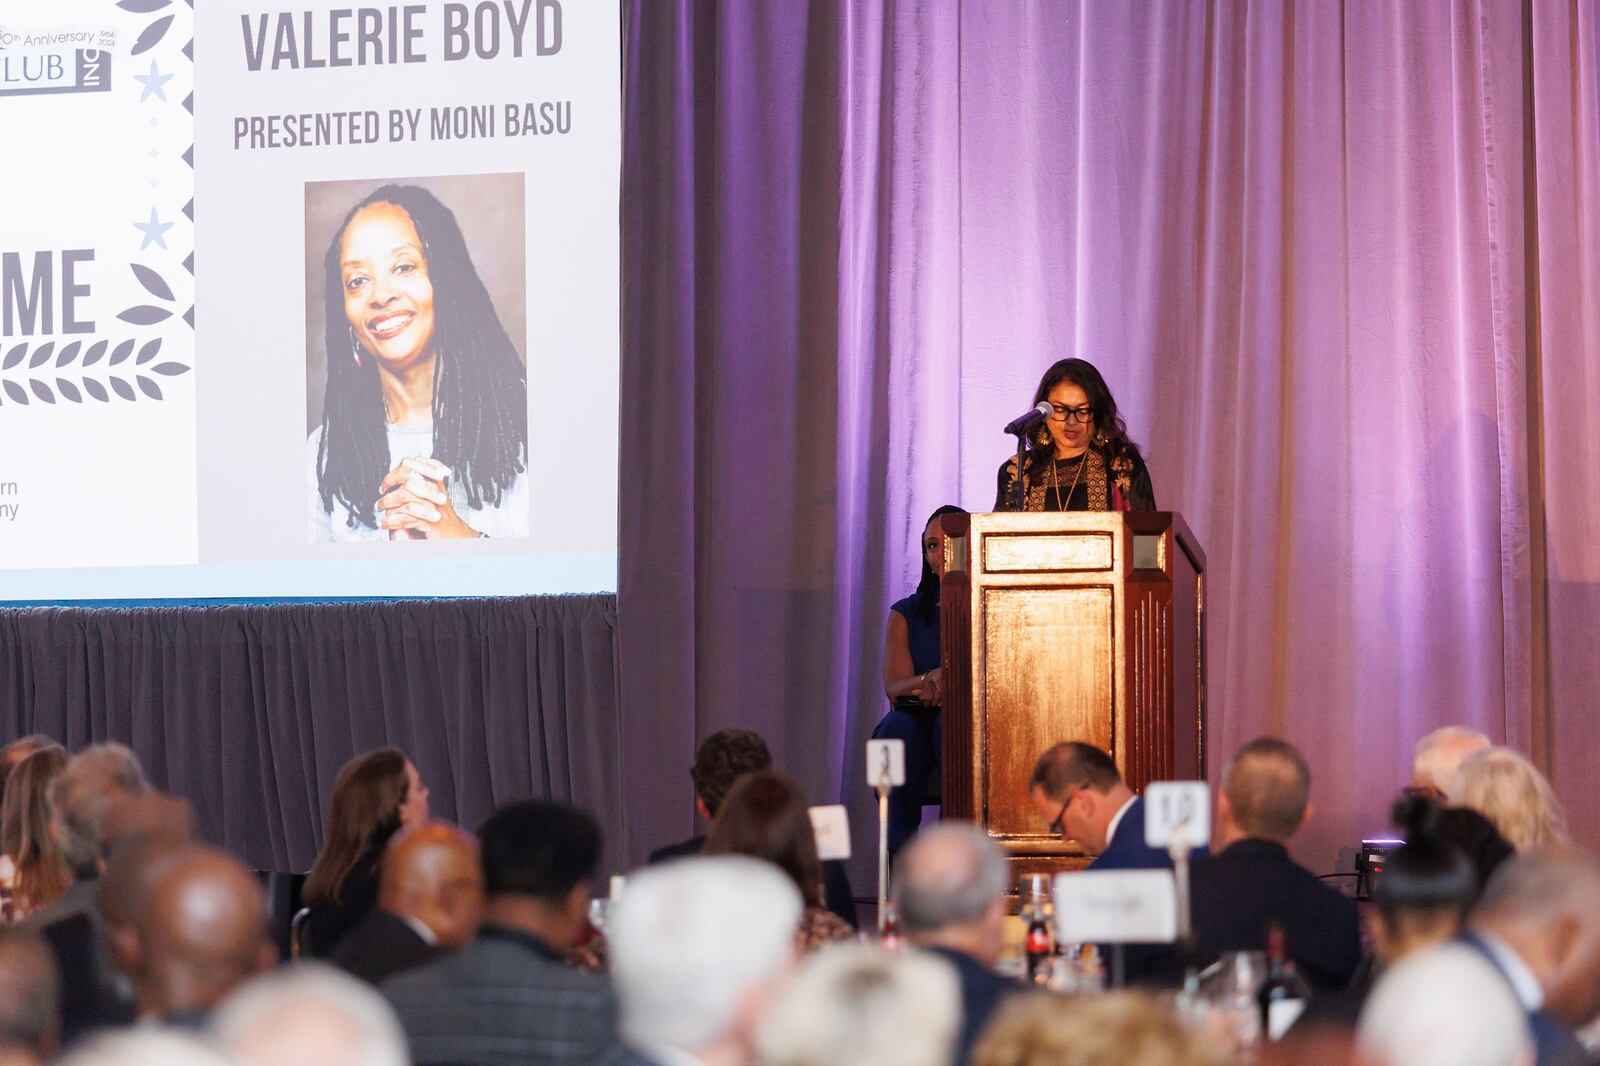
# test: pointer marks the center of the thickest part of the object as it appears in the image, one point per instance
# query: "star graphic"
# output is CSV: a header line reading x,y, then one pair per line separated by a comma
x,y
153,231
153,83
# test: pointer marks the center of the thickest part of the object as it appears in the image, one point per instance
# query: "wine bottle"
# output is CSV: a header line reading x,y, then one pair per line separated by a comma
x,y
1284,993
1039,944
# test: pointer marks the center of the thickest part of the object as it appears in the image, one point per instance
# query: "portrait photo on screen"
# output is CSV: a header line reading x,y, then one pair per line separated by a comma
x,y
416,359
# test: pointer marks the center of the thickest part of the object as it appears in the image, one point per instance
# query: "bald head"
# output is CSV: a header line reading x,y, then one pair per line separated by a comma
x,y
950,885
1440,754
202,932
431,874
30,995
1546,905
1266,791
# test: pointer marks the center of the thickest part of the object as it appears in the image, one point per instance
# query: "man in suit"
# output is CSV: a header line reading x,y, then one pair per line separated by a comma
x,y
950,890
1076,788
430,901
1251,881
1538,925
699,950
508,996
719,761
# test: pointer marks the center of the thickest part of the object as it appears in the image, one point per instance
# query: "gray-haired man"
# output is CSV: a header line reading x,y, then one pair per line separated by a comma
x,y
950,885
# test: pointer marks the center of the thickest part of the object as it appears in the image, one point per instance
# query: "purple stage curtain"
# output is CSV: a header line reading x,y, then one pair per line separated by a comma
x,y
1340,264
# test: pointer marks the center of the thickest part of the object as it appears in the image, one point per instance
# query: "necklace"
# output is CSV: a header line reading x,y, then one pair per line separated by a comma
x,y
1055,481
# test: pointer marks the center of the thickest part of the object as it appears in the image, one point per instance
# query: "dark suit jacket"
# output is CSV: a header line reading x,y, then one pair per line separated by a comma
x,y
838,897
982,992
507,998
1126,850
1236,893
1554,1043
380,946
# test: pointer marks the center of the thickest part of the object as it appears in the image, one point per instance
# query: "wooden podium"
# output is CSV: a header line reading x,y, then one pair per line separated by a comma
x,y
1067,626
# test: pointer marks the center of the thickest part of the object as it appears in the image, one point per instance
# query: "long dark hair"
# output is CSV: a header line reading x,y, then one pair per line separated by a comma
x,y
1425,876
928,588
1110,437
480,419
364,814
765,816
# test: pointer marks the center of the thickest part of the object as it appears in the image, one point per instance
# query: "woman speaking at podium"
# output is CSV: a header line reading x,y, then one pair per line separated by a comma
x,y
1079,456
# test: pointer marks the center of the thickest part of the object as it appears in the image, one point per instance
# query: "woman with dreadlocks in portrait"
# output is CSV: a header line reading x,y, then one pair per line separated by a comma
x,y
1080,457
424,428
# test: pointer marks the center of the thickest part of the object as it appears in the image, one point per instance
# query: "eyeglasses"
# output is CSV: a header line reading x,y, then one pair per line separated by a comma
x,y
1059,824
1060,413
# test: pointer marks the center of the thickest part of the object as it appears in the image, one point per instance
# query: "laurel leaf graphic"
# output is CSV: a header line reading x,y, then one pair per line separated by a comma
x,y
152,281
152,35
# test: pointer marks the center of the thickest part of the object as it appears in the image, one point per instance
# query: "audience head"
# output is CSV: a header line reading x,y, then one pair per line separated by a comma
x,y
143,1046
698,948
1445,1007
42,871
95,782
309,1015
539,863
855,1003
1475,837
16,751
950,890
30,997
374,795
1075,787
432,875
1426,889
1119,1027
1439,754
201,934
765,816
720,760
1546,906
154,814
124,894
1507,789
1266,792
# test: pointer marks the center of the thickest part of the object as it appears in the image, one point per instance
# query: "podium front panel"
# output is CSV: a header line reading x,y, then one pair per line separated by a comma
x,y
1047,674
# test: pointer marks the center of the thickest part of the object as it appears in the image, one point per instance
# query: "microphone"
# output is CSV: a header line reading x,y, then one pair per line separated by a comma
x,y
1040,412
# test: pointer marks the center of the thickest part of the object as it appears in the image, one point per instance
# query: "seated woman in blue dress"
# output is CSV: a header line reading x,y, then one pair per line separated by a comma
x,y
911,679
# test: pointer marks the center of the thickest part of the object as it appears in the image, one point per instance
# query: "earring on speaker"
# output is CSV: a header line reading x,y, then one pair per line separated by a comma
x,y
355,346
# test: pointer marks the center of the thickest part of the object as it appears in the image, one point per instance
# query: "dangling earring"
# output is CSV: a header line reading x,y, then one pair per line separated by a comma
x,y
355,347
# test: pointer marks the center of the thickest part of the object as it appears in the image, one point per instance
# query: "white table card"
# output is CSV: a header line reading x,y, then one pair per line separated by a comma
x,y
831,826
1116,907
1169,805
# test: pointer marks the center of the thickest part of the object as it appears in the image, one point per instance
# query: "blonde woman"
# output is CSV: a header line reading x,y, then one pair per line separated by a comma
x,y
1119,1027
1507,789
